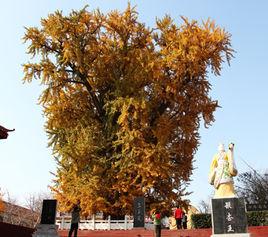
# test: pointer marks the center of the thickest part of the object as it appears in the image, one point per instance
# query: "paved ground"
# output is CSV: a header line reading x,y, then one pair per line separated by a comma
x,y
259,231
140,233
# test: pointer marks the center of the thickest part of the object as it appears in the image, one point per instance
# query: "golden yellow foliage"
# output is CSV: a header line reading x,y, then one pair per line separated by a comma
x,y
2,205
124,103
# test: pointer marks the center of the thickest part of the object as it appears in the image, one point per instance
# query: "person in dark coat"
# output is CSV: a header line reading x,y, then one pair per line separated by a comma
x,y
75,220
184,220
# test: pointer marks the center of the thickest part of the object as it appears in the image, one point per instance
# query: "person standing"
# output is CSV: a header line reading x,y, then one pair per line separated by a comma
x,y
75,220
156,216
178,217
184,220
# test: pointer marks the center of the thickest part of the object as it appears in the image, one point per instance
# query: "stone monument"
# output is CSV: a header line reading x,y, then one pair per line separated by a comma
x,y
228,211
139,212
47,227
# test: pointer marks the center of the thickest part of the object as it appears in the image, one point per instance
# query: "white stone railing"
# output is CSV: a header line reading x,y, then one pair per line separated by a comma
x,y
64,223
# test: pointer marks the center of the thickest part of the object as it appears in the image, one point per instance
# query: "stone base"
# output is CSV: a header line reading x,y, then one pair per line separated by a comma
x,y
46,230
231,235
229,217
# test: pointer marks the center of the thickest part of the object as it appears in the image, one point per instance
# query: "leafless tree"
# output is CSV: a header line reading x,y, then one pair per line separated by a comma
x,y
34,203
27,215
204,206
253,186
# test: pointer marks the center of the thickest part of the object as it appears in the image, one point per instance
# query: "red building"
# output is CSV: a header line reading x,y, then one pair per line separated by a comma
x,y
4,132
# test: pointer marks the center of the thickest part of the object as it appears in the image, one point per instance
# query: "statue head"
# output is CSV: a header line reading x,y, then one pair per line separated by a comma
x,y
221,147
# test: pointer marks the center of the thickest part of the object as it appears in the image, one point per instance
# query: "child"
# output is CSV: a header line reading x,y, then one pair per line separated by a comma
x,y
156,216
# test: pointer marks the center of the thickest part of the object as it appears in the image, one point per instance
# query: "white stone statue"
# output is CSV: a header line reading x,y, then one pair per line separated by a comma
x,y
222,171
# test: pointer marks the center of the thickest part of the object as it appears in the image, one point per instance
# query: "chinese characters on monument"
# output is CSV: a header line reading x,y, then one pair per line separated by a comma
x,y
139,211
228,215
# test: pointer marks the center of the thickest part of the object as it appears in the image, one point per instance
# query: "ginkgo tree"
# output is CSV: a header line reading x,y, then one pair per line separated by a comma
x,y
2,205
123,103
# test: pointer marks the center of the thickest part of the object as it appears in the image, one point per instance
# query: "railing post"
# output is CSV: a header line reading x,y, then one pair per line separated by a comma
x,y
62,223
125,222
109,222
93,221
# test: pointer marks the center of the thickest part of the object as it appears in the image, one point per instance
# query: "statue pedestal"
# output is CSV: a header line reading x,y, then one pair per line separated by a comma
x,y
46,230
229,217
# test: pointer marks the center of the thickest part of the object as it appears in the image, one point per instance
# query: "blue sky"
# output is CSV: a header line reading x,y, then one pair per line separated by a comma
x,y
241,90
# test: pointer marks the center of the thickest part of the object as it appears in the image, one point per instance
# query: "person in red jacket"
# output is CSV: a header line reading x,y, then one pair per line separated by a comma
x,y
178,216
